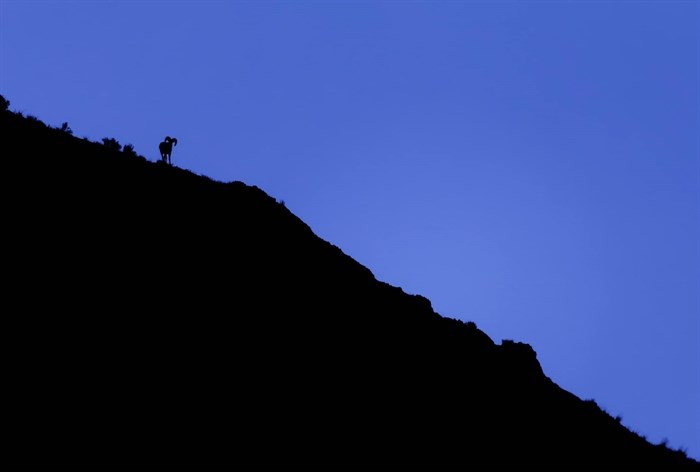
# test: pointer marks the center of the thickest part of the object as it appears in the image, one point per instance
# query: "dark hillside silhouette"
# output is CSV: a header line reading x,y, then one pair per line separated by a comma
x,y
219,330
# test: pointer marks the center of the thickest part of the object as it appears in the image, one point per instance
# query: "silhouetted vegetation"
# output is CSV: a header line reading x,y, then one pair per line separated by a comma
x,y
66,129
161,317
129,150
111,143
35,120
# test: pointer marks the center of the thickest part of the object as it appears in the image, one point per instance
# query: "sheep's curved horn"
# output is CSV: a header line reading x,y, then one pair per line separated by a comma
x,y
174,141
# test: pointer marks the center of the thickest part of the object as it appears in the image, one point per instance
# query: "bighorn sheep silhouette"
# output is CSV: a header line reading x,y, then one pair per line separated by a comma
x,y
166,148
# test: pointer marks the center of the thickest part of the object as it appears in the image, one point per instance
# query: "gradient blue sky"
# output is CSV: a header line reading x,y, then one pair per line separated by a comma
x,y
532,166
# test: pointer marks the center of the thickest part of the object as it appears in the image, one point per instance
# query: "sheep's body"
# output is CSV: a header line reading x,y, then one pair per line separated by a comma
x,y
166,149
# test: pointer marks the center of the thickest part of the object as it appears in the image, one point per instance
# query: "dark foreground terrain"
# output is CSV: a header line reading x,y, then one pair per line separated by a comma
x,y
159,317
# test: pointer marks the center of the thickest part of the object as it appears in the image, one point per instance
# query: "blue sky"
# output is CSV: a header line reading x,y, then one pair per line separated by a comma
x,y
532,166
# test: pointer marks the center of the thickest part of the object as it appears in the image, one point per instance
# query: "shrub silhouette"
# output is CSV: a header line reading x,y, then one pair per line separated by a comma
x,y
129,150
35,120
111,143
4,103
65,128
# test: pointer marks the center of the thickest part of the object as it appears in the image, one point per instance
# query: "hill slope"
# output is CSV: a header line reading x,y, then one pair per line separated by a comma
x,y
161,317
